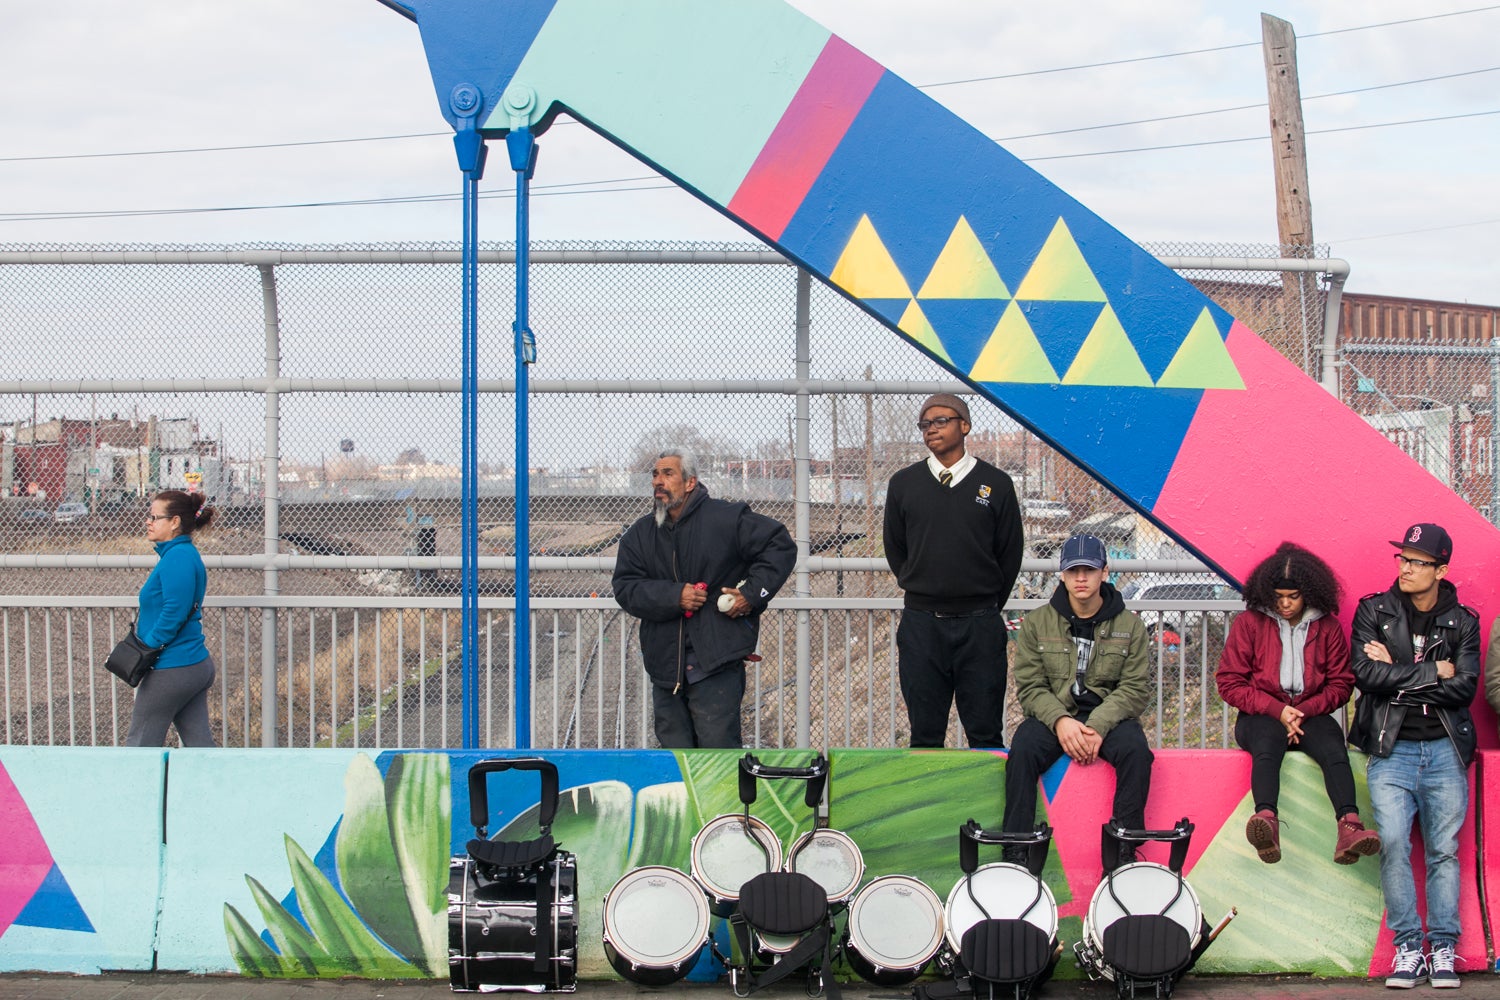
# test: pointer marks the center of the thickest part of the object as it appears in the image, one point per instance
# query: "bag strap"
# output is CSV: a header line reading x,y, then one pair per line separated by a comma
x,y
198,606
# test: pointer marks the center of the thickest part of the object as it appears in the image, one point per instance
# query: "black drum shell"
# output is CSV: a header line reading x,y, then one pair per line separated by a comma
x,y
646,975
502,912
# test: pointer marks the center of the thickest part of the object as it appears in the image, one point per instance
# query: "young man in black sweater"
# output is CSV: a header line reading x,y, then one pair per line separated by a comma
x,y
953,539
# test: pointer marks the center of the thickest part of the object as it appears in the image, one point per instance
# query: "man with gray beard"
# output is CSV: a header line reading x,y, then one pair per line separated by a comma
x,y
698,572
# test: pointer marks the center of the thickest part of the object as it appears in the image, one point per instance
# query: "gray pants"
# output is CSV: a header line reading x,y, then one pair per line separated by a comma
x,y
175,696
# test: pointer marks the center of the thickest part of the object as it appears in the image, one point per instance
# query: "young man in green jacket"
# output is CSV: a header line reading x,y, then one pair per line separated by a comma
x,y
1082,678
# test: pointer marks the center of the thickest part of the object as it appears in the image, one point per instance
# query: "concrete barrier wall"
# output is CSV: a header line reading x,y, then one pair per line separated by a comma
x,y
335,862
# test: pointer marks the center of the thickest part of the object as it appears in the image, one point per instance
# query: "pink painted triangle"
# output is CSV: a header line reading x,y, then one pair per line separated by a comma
x,y
24,857
1084,795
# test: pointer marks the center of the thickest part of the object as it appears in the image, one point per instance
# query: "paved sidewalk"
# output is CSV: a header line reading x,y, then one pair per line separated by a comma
x,y
180,986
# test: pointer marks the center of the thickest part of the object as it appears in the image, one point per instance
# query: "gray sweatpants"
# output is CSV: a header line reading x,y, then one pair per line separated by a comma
x,y
175,696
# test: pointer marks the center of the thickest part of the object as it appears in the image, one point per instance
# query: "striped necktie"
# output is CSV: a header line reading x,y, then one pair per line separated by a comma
x,y
945,478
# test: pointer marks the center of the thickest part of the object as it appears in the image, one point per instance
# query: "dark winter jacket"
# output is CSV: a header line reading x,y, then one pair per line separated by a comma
x,y
715,542
1388,691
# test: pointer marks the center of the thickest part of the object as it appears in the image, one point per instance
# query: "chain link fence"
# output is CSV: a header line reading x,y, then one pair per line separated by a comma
x,y
313,394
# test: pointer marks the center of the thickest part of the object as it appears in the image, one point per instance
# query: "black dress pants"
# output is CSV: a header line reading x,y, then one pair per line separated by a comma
x,y
1034,748
953,658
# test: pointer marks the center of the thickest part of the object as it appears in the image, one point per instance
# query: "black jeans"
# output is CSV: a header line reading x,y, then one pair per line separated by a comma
x,y
706,714
943,659
1322,740
1034,748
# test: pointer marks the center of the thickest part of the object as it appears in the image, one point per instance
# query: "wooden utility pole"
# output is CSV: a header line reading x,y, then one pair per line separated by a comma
x,y
1288,140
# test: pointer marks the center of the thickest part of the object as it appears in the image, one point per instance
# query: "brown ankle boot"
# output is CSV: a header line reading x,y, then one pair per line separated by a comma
x,y
1354,840
1264,833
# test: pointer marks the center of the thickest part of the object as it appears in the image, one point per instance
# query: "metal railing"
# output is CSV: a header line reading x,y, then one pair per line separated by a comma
x,y
384,672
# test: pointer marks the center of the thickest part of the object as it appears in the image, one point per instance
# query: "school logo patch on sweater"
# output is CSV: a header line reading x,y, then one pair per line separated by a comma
x,y
984,495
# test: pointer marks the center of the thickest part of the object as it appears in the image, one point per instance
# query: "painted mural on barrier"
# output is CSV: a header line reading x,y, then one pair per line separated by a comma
x,y
335,862
966,253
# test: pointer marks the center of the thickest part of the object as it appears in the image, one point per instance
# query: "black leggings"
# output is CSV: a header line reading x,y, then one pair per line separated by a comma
x,y
1322,740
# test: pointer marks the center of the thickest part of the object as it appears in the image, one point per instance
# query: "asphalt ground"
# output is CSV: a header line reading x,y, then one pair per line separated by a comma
x,y
181,986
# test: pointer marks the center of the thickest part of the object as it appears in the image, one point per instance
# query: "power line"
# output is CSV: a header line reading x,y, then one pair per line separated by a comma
x,y
1246,107
1417,232
1193,52
1258,138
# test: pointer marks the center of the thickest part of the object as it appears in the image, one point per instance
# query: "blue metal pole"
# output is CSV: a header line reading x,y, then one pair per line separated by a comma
x,y
469,145
521,145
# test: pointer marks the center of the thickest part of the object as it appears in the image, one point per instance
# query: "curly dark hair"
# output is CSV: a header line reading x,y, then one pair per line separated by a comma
x,y
1315,578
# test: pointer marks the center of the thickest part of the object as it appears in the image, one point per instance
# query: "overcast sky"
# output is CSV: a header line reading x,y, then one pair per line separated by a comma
x,y
1413,207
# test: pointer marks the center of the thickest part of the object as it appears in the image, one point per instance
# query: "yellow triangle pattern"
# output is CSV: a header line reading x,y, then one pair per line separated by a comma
x,y
866,269
914,324
1107,356
1202,362
1059,273
963,270
1013,353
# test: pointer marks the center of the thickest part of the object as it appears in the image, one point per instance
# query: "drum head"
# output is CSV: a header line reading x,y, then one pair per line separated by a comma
x,y
656,917
1143,887
999,892
896,922
725,857
829,858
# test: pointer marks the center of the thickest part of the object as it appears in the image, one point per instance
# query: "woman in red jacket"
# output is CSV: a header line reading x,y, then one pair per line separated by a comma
x,y
1286,668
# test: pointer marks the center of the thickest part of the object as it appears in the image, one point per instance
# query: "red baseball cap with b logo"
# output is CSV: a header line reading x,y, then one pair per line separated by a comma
x,y
1428,538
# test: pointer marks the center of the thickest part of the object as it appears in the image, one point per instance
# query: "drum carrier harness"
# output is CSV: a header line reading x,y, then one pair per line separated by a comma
x,y
784,903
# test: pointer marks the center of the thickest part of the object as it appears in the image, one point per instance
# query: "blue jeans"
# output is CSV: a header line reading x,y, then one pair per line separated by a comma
x,y
1421,780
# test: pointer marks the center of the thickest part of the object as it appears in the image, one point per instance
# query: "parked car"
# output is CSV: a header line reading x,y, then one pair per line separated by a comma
x,y
1175,620
68,513
1035,509
34,514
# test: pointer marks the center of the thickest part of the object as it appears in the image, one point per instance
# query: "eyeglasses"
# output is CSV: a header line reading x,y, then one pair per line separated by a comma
x,y
938,422
1419,563
159,517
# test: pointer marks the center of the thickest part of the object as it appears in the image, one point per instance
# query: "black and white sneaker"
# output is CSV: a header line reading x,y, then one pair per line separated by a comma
x,y
1443,973
1409,969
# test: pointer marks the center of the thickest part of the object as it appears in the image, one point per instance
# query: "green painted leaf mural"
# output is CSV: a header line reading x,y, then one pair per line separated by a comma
x,y
390,920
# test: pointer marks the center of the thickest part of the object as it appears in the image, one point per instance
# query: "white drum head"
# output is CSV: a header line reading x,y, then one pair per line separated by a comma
x,y
656,917
829,858
777,944
1143,887
896,922
725,857
1006,892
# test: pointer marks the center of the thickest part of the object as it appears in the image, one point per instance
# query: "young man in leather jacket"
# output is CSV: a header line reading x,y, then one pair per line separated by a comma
x,y
1416,666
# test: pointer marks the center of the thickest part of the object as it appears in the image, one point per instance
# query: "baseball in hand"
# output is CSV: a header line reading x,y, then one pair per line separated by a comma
x,y
726,602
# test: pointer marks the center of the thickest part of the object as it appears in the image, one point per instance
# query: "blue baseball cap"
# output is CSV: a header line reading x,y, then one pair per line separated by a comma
x,y
1083,550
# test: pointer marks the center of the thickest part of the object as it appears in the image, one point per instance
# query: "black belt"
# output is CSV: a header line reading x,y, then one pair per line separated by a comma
x,y
964,614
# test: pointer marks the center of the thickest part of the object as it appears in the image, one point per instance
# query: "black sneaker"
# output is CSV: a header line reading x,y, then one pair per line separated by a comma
x,y
1443,973
1409,969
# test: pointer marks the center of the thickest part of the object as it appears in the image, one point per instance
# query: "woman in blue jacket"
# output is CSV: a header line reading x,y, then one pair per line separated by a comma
x,y
176,692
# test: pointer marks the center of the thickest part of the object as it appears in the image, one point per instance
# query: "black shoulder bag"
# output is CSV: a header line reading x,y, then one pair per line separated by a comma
x,y
131,659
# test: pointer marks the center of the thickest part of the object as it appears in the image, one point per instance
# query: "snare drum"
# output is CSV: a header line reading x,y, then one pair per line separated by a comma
x,y
1135,889
494,934
656,923
895,928
728,852
829,858
999,891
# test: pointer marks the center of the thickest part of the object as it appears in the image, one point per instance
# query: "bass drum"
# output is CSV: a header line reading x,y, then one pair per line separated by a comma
x,y
728,852
829,858
1140,888
656,923
895,928
496,928
999,891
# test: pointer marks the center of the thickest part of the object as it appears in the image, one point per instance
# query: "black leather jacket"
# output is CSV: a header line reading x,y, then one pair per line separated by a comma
x,y
1387,691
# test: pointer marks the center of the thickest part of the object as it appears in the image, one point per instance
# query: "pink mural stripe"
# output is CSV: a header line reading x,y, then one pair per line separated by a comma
x,y
1082,805
25,858
1346,499
810,129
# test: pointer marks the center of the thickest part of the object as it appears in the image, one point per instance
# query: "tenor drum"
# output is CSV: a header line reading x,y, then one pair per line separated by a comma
x,y
1137,889
829,858
728,852
895,928
498,932
656,922
999,891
